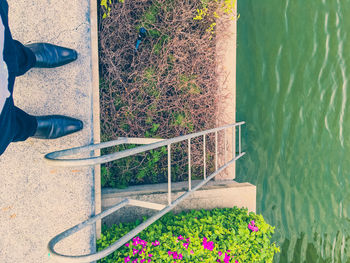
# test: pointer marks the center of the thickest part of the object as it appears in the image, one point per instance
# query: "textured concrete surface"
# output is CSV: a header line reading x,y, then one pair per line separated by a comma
x,y
215,194
37,201
226,44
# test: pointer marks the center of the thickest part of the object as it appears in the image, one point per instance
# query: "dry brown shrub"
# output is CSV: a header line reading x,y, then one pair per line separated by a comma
x,y
168,88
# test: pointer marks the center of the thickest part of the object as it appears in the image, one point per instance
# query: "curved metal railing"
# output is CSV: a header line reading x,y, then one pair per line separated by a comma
x,y
55,158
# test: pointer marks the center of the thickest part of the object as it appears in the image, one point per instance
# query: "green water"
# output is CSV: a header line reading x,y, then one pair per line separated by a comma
x,y
293,69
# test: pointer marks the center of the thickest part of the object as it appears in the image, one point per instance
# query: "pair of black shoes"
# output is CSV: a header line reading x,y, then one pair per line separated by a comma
x,y
51,56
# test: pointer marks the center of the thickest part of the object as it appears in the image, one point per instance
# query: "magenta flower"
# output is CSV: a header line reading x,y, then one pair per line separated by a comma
x,y
149,260
185,245
127,245
236,261
142,251
220,253
252,226
156,243
127,259
136,241
208,245
150,255
180,237
134,251
227,258
134,261
191,252
170,253
175,255
188,240
179,256
142,260
143,243
218,260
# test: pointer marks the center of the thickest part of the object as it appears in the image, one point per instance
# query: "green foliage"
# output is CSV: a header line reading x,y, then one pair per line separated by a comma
x,y
106,6
227,228
222,7
150,17
188,84
143,168
182,119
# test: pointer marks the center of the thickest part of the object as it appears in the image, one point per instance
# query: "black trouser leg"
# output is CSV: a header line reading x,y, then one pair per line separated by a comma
x,y
25,125
15,124
25,58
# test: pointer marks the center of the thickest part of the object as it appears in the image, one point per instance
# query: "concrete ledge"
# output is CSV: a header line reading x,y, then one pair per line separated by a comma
x,y
215,194
37,201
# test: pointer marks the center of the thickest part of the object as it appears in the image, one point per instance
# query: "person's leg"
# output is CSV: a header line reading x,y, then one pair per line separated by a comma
x,y
16,125
25,58
25,125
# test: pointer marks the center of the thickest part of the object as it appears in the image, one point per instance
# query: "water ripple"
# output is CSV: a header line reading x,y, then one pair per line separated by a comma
x,y
295,103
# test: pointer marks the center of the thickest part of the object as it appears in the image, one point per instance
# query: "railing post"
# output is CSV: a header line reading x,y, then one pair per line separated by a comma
x,y
204,158
189,164
239,131
233,142
169,174
225,146
216,150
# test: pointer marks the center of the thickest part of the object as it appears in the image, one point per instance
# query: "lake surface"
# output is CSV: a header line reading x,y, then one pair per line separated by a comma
x,y
293,70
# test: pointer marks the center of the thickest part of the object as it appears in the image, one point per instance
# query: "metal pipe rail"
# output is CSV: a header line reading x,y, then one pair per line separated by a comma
x,y
153,144
53,158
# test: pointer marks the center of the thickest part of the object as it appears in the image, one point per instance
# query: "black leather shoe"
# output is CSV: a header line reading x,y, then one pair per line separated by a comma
x,y
55,126
51,56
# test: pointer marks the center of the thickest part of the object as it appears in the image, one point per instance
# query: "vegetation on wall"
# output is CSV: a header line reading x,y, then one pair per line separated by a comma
x,y
220,235
167,88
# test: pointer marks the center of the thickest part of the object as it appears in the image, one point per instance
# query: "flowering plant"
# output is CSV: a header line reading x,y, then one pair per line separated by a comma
x,y
220,235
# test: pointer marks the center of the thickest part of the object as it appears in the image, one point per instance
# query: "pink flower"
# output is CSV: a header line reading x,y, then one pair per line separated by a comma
x,y
188,240
143,243
127,245
127,259
227,258
252,226
185,245
134,261
150,255
170,253
142,251
180,256
220,253
236,261
175,255
180,237
137,240
142,260
218,260
134,251
149,260
191,252
208,245
156,243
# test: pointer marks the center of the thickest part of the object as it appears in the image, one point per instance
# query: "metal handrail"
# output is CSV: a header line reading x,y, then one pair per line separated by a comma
x,y
53,158
163,209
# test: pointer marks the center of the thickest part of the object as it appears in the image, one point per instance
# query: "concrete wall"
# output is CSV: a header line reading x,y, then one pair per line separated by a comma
x,y
215,194
226,71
